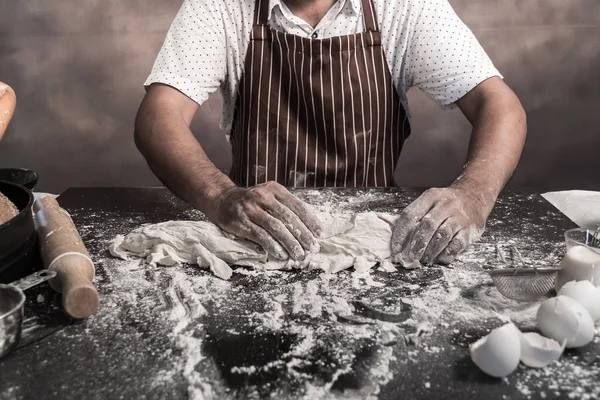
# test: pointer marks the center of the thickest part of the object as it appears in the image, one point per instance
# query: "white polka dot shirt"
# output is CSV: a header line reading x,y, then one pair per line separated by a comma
x,y
425,43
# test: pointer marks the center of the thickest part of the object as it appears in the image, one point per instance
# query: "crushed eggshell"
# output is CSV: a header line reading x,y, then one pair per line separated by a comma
x,y
586,293
538,351
563,319
498,353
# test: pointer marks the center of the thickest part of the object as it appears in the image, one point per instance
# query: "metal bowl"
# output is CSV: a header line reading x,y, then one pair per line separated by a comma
x,y
20,176
12,300
11,318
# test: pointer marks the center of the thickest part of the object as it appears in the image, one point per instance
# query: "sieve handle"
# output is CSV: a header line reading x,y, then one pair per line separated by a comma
x,y
34,279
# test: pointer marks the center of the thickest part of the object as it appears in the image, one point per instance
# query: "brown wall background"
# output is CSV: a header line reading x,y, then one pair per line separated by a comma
x,y
78,67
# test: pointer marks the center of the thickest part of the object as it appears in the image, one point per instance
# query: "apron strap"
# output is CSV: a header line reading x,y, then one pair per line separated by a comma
x,y
369,17
261,12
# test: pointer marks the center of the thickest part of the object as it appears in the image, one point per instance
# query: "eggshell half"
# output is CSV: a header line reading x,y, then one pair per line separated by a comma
x,y
498,353
562,318
586,294
538,351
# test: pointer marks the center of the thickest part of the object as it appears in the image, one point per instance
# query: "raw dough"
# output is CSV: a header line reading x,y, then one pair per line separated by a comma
x,y
7,209
361,240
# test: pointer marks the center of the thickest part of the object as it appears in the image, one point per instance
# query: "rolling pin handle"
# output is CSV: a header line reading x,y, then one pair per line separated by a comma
x,y
79,296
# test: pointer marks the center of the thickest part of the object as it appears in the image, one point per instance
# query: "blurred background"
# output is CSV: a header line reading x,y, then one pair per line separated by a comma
x,y
78,70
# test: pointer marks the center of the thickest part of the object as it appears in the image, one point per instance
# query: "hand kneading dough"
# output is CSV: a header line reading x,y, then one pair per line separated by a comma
x,y
7,209
363,239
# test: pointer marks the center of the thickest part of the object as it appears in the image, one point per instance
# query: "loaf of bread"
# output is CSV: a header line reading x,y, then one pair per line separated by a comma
x,y
8,102
7,209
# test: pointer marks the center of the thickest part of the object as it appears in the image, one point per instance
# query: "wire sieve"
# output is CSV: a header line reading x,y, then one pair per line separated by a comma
x,y
524,284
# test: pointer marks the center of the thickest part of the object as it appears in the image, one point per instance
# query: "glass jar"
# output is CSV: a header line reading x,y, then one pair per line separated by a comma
x,y
582,260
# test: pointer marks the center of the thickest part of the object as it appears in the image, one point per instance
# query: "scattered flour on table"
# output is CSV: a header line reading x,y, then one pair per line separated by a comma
x,y
566,378
182,307
188,303
287,306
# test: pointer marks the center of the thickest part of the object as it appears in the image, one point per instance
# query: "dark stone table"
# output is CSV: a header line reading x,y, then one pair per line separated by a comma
x,y
178,332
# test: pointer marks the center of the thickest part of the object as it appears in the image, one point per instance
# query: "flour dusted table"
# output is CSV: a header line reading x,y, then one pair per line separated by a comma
x,y
178,332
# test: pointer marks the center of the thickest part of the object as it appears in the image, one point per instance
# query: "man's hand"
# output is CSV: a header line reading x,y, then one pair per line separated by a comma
x,y
266,214
439,225
269,215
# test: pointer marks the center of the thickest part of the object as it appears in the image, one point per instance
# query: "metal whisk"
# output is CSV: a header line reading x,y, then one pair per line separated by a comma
x,y
524,283
594,239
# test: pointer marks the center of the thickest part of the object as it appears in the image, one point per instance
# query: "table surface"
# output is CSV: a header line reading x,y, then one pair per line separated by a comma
x,y
178,332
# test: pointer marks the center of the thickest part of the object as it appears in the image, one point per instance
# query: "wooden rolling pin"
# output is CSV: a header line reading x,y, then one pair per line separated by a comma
x,y
63,251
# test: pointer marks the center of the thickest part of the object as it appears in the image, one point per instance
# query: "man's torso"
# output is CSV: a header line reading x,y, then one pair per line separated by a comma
x,y
424,42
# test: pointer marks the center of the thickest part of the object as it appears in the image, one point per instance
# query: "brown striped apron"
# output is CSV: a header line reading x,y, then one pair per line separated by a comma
x,y
316,112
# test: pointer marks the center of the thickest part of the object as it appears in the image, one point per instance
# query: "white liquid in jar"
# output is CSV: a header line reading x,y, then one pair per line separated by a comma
x,y
579,264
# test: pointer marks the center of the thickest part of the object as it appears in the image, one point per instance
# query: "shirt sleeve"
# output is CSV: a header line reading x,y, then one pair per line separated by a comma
x,y
193,57
445,59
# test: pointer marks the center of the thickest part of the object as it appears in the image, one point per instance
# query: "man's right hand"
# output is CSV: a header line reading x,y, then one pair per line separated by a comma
x,y
269,215
266,214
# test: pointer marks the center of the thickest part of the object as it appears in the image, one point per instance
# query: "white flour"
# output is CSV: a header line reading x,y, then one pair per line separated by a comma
x,y
286,309
313,300
196,313
311,308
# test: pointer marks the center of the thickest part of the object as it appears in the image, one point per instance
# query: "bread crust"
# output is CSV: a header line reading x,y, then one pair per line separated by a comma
x,y
7,209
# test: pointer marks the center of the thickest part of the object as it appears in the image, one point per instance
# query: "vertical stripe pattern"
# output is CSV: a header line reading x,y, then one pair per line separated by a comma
x,y
317,112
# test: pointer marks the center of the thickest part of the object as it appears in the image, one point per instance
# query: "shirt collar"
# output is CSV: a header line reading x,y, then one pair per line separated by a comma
x,y
356,5
272,5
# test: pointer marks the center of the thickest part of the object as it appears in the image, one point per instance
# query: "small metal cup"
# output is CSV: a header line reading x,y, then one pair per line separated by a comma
x,y
11,317
12,300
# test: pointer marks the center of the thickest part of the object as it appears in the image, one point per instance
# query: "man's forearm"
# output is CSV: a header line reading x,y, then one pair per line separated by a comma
x,y
442,222
498,136
266,214
175,156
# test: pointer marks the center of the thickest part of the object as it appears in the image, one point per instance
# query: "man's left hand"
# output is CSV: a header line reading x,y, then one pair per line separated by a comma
x,y
439,225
